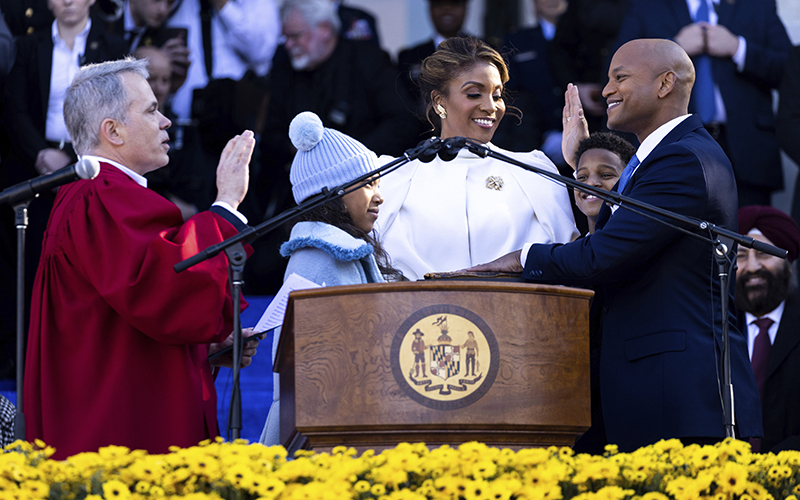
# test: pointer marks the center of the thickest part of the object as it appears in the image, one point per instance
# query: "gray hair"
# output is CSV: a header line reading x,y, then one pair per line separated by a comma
x,y
97,93
314,12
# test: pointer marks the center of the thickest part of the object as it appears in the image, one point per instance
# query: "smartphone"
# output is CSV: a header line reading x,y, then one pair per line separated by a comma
x,y
162,35
230,347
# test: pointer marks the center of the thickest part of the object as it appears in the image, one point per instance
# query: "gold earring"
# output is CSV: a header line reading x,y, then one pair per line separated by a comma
x,y
441,111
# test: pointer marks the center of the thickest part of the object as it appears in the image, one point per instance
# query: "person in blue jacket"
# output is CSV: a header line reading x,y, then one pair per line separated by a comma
x,y
333,244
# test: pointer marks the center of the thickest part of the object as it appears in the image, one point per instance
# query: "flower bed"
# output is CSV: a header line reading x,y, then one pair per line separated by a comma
x,y
240,471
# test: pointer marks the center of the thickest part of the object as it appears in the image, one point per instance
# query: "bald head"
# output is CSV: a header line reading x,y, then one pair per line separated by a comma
x,y
666,55
650,83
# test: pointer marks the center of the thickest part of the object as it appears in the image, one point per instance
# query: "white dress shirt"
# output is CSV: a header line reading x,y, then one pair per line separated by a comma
x,y
752,329
66,63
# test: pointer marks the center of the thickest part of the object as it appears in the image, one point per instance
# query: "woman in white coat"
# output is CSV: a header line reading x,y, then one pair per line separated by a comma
x,y
449,215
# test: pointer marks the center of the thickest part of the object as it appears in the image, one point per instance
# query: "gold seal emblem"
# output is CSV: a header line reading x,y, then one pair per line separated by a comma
x,y
444,357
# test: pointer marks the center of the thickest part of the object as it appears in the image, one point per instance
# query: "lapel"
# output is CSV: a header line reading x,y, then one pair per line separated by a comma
x,y
93,46
45,58
690,124
724,12
788,335
680,12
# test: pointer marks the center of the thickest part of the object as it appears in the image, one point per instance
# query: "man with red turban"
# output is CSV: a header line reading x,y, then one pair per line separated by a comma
x,y
769,312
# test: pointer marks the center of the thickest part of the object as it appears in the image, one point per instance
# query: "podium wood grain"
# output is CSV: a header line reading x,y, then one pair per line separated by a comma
x,y
337,385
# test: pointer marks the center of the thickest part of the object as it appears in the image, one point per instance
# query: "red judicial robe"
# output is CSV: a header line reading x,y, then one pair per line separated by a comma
x,y
118,340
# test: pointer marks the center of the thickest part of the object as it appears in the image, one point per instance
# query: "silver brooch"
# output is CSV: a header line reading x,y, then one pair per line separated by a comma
x,y
494,182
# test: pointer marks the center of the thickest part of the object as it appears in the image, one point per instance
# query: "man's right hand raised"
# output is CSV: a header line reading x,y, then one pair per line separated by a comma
x,y
233,172
575,127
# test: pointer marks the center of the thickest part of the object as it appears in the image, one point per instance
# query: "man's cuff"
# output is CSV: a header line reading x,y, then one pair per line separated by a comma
x,y
227,212
740,55
523,256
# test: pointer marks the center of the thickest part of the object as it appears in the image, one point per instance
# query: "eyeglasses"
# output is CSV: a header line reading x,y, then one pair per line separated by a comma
x,y
294,37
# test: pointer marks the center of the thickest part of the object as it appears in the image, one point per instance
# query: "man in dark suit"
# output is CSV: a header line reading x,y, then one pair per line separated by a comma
x,y
769,313
661,317
581,48
745,45
349,84
25,17
788,121
447,17
532,88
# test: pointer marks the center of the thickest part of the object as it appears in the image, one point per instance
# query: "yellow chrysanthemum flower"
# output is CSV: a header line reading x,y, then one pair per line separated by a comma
x,y
142,487
36,489
116,490
484,469
654,495
705,457
732,479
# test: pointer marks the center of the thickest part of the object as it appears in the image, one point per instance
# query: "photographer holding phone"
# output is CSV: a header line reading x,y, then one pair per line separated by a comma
x,y
142,24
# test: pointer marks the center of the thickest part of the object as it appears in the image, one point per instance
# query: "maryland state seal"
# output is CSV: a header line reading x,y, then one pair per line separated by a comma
x,y
444,357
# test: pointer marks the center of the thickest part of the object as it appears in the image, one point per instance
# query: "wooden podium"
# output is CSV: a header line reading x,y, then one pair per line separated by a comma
x,y
504,363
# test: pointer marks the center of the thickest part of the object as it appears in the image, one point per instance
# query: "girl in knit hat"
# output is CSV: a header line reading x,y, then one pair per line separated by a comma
x,y
333,244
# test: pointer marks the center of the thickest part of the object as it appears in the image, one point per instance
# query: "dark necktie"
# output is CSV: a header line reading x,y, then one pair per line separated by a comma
x,y
705,98
761,347
627,173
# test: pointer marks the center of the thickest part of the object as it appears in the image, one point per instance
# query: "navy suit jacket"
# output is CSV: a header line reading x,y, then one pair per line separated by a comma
x,y
747,94
780,406
660,361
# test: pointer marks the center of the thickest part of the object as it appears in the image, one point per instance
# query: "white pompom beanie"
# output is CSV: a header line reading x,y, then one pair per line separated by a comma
x,y
325,157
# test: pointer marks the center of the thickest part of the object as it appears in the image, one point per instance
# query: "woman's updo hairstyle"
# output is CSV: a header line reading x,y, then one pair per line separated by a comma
x,y
454,56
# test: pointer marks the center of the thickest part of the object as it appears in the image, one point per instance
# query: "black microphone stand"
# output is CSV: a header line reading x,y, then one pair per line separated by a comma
x,y
21,223
720,238
234,249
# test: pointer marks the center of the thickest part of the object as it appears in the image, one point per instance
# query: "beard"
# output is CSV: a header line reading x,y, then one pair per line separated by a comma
x,y
300,62
761,299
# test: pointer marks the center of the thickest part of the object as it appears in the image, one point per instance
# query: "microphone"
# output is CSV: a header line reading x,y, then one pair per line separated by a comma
x,y
27,190
451,147
426,150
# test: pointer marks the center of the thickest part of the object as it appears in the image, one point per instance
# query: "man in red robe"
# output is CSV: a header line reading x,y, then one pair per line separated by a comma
x,y
118,342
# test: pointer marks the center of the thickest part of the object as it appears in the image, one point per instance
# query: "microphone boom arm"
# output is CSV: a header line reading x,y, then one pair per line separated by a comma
x,y
633,204
429,146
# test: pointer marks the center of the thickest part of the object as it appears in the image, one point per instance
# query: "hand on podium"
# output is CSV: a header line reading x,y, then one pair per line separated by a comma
x,y
508,263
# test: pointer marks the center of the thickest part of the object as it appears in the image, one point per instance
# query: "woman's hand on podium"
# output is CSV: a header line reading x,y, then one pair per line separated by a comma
x,y
248,352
